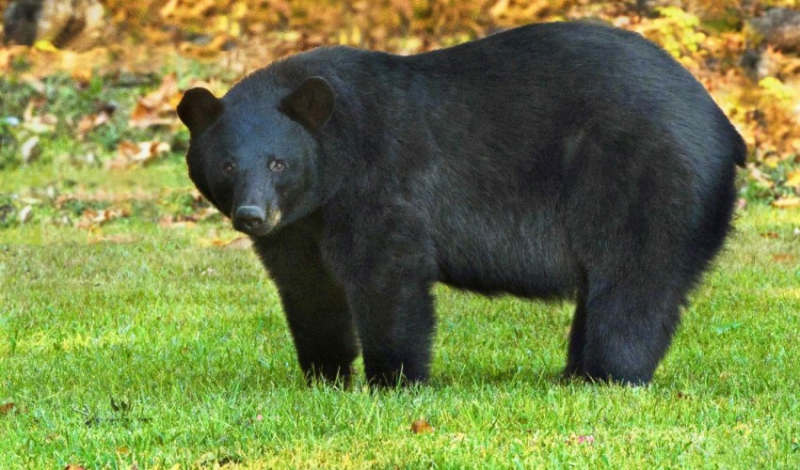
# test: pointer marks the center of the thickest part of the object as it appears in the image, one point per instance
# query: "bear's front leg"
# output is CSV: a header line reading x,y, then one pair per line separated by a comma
x,y
395,323
322,328
385,258
313,301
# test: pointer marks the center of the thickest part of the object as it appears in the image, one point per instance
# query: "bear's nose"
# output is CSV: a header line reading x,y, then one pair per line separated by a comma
x,y
249,217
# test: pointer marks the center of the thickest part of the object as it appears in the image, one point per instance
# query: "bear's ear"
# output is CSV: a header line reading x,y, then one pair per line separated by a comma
x,y
198,109
311,104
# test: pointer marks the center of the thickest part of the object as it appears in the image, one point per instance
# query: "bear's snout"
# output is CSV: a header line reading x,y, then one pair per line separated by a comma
x,y
249,218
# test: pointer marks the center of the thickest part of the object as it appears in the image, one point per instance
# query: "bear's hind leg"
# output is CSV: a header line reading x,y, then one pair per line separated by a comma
x,y
628,328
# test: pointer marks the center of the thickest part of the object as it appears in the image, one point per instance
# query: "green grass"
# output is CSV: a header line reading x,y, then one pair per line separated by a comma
x,y
167,349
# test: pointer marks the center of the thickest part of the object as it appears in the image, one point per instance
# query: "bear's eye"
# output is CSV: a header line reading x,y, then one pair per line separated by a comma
x,y
228,167
276,165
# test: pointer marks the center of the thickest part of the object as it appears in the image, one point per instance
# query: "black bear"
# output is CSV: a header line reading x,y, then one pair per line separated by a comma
x,y
562,160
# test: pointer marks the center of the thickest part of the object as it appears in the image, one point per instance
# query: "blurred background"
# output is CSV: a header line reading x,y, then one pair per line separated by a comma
x,y
88,88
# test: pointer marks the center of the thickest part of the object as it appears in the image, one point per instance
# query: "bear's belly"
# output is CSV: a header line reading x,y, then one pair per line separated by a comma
x,y
498,255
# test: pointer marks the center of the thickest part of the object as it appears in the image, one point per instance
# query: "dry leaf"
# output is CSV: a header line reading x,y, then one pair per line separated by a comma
x,y
94,218
25,214
787,202
143,117
30,150
498,8
783,258
74,466
130,154
7,408
158,107
119,238
39,124
5,58
421,426
45,45
82,75
756,174
168,8
241,243
793,179
91,121
169,221
589,439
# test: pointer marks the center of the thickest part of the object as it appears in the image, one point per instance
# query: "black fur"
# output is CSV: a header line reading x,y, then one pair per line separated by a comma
x,y
551,161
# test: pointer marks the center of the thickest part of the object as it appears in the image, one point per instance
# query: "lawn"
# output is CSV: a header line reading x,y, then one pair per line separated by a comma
x,y
151,340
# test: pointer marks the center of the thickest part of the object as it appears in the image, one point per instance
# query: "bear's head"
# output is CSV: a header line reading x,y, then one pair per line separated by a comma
x,y
254,153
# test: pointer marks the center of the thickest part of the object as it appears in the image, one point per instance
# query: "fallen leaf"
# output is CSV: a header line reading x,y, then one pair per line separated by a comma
x,y
498,8
119,238
158,107
94,218
241,243
168,8
5,58
573,439
421,426
7,408
30,150
130,154
74,466
793,179
41,124
208,49
25,214
783,258
92,121
62,199
82,75
787,202
169,221
756,174
45,45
